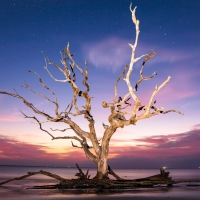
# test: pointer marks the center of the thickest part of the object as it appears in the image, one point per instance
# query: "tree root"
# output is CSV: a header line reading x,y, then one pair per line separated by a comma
x,y
81,175
111,172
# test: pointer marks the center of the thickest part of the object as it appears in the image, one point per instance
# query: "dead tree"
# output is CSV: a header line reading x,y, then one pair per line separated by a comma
x,y
119,108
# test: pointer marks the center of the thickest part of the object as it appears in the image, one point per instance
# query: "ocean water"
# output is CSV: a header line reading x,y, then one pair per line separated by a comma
x,y
7,172
18,189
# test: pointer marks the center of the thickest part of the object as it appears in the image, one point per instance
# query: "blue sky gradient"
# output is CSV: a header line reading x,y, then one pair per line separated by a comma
x,y
99,31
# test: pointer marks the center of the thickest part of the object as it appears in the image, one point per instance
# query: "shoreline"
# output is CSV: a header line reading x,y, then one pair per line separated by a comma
x,y
18,191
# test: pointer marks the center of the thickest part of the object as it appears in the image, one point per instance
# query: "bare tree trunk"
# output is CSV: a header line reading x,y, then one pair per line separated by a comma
x,y
102,168
102,165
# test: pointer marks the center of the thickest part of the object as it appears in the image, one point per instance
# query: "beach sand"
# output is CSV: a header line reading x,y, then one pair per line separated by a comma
x,y
17,190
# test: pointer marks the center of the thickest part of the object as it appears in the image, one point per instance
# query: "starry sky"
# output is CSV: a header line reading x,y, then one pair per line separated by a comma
x,y
99,31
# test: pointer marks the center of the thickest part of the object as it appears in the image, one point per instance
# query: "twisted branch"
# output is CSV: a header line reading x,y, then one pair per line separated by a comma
x,y
30,105
117,117
60,130
43,96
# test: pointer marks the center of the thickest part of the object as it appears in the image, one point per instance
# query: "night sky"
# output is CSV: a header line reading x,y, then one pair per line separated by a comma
x,y
99,31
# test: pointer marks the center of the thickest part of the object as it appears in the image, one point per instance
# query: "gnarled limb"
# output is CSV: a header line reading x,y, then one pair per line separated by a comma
x,y
66,72
39,123
82,141
111,172
118,118
30,105
117,81
43,96
81,175
67,56
76,145
35,173
60,130
141,71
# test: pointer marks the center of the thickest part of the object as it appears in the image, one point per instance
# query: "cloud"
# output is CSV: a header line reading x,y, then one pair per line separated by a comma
x,y
111,53
181,86
197,126
177,150
114,53
175,91
14,117
178,141
15,152
178,90
165,55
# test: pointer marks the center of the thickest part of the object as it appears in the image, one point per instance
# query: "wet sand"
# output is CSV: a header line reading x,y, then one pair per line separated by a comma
x,y
18,191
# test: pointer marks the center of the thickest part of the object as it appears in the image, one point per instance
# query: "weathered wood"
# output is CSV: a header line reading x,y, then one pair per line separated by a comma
x,y
163,176
111,172
81,175
35,173
159,179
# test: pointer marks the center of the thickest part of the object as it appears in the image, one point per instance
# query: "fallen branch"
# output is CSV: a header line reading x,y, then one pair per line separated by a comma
x,y
34,173
84,182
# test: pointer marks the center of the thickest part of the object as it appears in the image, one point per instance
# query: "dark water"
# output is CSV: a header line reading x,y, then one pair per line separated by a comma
x,y
18,189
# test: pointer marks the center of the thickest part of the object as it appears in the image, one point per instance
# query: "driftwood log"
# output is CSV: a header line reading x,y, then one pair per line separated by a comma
x,y
84,181
35,173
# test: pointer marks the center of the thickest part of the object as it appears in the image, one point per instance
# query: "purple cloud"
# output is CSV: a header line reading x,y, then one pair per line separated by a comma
x,y
114,53
177,150
184,143
165,55
15,152
111,53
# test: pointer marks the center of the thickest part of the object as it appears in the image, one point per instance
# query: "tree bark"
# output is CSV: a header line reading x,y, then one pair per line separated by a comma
x,y
102,168
102,165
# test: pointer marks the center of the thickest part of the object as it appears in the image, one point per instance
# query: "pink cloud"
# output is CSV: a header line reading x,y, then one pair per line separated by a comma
x,y
11,118
168,145
12,149
179,87
150,151
177,91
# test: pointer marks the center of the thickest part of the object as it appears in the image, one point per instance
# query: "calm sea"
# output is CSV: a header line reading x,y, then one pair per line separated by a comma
x,y
18,189
7,172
